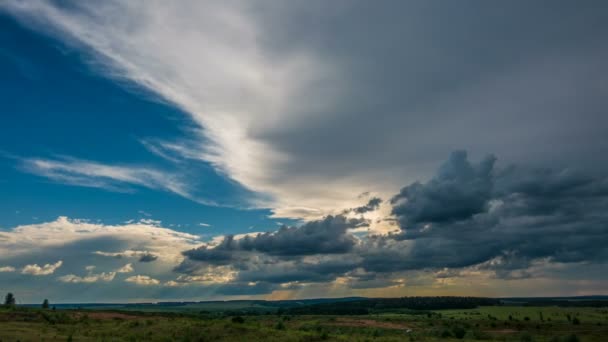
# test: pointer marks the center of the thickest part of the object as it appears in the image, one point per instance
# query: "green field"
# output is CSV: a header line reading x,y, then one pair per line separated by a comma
x,y
496,323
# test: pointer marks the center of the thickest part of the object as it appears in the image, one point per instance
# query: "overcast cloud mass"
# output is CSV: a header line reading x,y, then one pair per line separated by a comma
x,y
414,147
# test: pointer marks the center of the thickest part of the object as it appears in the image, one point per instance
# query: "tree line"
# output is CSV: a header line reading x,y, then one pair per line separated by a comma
x,y
10,301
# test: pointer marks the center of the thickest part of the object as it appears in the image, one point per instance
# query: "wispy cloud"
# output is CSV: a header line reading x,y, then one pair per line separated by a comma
x,y
111,177
119,178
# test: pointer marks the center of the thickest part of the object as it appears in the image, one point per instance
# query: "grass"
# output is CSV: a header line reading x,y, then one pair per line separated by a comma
x,y
484,323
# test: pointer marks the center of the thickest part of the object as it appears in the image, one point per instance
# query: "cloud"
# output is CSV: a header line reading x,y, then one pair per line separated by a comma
x,y
204,224
470,219
143,256
372,204
458,191
75,242
36,270
7,269
109,177
142,280
506,218
327,236
128,268
90,278
319,118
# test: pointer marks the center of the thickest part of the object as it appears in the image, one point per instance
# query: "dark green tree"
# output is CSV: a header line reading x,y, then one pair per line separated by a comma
x,y
45,304
9,300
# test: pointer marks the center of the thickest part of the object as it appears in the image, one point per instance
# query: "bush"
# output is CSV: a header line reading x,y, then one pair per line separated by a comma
x,y
576,321
459,332
526,338
238,319
571,338
280,326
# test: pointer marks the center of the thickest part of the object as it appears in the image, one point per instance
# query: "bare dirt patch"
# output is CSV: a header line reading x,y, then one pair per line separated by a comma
x,y
368,323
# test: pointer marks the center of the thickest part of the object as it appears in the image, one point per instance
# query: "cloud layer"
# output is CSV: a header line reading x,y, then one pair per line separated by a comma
x,y
507,223
469,221
303,104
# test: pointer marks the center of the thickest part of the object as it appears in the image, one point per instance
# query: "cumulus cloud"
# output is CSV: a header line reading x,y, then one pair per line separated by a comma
x,y
469,214
75,243
36,270
142,280
128,268
64,232
7,269
471,219
326,236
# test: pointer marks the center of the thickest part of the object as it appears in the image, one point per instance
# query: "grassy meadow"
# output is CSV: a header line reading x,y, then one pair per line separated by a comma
x,y
492,323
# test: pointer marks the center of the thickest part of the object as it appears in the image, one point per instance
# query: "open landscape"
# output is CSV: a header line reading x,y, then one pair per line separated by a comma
x,y
581,319
304,170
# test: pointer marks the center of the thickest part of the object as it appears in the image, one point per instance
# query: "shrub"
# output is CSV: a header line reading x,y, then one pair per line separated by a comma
x,y
571,338
526,338
446,334
459,332
576,321
238,319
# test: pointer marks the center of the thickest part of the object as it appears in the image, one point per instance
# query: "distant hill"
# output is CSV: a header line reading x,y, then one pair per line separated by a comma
x,y
347,305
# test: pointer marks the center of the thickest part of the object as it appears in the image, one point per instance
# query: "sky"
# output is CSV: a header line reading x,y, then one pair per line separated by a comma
x,y
199,150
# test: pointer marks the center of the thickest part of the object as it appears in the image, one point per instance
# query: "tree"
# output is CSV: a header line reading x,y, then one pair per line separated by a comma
x,y
45,304
9,300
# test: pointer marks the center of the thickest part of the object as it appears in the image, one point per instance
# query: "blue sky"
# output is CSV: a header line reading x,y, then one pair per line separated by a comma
x,y
154,150
55,105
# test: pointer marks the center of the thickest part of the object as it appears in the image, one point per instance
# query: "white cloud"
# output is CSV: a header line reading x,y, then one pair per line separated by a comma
x,y
128,268
202,224
36,270
142,280
31,239
75,242
91,278
7,269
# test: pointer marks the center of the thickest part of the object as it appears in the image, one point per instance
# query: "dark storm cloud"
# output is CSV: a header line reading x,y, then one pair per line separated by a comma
x,y
469,215
458,191
326,236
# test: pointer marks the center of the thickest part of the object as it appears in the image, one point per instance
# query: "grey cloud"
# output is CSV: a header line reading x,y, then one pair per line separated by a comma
x,y
372,204
148,257
515,215
458,191
326,236
503,220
